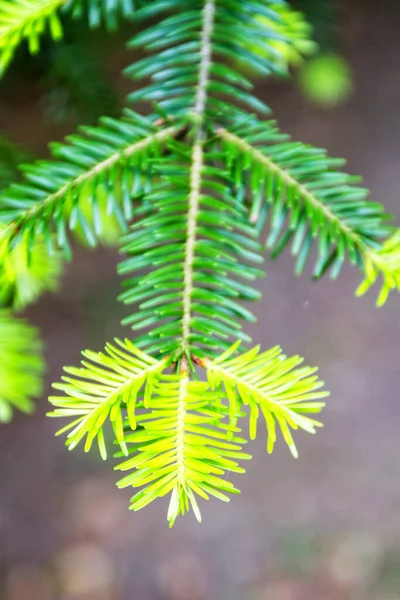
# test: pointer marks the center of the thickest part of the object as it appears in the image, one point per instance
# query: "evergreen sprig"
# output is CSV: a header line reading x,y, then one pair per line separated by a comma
x,y
108,162
182,448
271,383
206,176
199,246
97,391
183,435
309,199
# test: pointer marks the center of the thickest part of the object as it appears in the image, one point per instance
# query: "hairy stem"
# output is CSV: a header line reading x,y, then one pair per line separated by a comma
x,y
180,429
195,190
206,56
197,166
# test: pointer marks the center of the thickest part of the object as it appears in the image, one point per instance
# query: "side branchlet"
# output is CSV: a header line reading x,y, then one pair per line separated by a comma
x,y
198,187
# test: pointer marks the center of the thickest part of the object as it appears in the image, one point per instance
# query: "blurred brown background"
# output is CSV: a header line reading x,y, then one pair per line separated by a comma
x,y
325,527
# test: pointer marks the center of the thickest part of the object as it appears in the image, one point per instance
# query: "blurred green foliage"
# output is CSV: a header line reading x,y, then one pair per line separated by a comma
x,y
21,363
326,79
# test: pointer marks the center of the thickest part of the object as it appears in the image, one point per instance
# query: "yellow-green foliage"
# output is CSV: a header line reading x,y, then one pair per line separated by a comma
x,y
25,275
21,366
183,436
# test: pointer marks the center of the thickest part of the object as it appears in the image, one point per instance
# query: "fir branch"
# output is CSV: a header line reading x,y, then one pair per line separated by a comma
x,y
193,243
197,248
184,325
308,196
272,383
103,162
106,385
197,168
181,45
182,448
